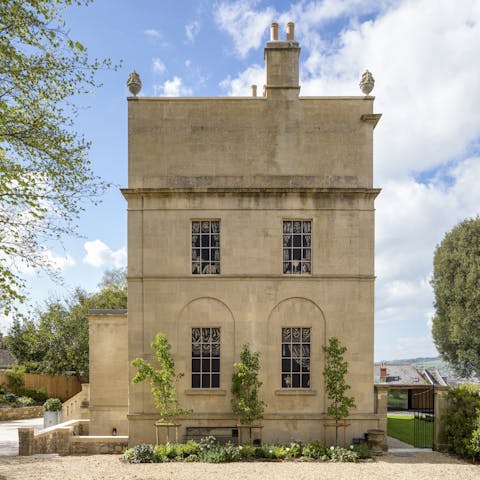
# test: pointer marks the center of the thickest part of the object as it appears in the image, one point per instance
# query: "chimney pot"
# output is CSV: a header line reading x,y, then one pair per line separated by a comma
x,y
274,31
254,90
290,31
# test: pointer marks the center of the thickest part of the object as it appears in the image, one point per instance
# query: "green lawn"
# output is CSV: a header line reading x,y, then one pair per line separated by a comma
x,y
401,427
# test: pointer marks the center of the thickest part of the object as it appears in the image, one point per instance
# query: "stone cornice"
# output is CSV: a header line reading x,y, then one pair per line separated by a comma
x,y
266,191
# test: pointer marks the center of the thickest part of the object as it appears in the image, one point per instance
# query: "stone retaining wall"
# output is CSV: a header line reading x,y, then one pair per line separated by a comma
x,y
68,438
20,413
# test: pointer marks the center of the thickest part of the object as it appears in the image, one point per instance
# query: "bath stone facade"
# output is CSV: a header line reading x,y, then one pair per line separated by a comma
x,y
251,220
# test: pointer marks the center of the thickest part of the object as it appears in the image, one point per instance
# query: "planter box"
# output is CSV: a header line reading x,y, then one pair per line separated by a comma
x,y
52,418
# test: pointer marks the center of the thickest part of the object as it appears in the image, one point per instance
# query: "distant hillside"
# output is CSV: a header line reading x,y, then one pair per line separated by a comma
x,y
419,361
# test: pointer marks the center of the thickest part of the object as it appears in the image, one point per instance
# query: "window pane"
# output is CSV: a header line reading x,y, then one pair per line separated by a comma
x,y
286,365
286,334
215,332
297,240
195,227
287,267
305,381
205,380
295,381
195,240
295,365
215,381
196,268
196,365
205,365
205,241
205,227
286,381
216,365
195,381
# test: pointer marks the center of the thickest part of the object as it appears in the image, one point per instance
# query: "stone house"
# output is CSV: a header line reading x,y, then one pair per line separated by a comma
x,y
250,220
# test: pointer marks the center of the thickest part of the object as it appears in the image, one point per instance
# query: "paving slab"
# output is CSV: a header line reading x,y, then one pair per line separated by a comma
x,y
9,434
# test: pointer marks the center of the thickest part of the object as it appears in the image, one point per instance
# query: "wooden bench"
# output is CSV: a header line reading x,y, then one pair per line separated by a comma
x,y
222,434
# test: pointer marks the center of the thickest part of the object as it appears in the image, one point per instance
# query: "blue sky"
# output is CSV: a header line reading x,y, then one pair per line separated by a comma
x,y
424,57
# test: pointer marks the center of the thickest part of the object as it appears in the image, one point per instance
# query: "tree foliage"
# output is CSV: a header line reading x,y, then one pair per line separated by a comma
x,y
456,285
461,421
55,339
246,386
163,379
335,384
45,174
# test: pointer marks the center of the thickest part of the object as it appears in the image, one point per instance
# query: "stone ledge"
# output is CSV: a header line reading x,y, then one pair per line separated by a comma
x,y
205,391
295,392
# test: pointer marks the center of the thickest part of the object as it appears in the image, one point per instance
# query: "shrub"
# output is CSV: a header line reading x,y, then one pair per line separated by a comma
x,y
363,451
10,397
462,419
209,450
275,452
143,453
315,450
25,401
249,451
39,395
185,450
2,398
128,454
294,450
52,405
3,389
340,454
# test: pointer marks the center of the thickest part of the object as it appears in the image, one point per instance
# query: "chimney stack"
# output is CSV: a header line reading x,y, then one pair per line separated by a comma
x,y
383,373
254,90
281,58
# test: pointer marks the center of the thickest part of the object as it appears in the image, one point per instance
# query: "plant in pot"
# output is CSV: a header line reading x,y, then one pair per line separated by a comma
x,y
245,392
163,381
52,412
335,385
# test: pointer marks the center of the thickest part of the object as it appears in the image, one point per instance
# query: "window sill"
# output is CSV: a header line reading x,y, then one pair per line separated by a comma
x,y
205,391
295,391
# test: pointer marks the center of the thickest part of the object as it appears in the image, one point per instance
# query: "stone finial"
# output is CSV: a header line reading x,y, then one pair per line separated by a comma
x,y
134,83
367,82
254,90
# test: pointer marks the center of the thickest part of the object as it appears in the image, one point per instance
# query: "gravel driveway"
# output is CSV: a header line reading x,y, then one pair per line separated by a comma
x,y
400,465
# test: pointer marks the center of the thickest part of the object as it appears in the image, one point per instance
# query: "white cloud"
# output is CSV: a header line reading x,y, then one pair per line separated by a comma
x,y
245,24
241,85
152,32
191,30
156,36
99,254
172,88
158,66
412,347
